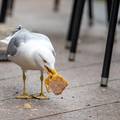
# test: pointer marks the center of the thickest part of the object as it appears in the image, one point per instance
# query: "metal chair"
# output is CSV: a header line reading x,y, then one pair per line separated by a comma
x,y
109,44
75,25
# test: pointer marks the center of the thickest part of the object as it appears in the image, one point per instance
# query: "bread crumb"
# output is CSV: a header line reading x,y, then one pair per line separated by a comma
x,y
27,106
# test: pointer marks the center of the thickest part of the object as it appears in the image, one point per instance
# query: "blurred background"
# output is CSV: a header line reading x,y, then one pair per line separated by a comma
x,y
41,16
52,17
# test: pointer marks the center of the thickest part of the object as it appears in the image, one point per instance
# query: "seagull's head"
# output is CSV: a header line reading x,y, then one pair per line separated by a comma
x,y
49,67
48,63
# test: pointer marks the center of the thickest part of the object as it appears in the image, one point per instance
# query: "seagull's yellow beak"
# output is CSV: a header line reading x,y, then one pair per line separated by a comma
x,y
49,70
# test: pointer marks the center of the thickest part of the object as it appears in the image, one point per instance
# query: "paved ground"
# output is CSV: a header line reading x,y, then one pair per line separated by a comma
x,y
83,99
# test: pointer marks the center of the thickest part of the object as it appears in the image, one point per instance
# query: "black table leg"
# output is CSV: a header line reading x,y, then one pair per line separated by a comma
x,y
71,25
76,27
110,41
90,12
56,5
10,7
3,10
108,8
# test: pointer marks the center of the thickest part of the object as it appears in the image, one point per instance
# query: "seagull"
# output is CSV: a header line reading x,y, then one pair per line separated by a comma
x,y
31,51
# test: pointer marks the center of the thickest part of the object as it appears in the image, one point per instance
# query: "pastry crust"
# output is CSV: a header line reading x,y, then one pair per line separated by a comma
x,y
55,83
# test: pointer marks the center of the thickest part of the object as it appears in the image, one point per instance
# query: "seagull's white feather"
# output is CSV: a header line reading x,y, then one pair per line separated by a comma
x,y
30,50
47,40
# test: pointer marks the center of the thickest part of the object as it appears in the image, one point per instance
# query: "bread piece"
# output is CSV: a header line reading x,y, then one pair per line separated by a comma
x,y
56,83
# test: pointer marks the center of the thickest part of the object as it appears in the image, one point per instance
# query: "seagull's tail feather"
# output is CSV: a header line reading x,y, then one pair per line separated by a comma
x,y
6,40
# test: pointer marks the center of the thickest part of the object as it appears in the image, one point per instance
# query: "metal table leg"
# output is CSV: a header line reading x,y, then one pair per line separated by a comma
x,y
76,26
108,8
56,5
71,25
90,12
10,7
90,16
110,41
3,10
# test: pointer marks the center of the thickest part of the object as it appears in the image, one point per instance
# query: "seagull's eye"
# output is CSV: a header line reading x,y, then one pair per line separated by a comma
x,y
44,61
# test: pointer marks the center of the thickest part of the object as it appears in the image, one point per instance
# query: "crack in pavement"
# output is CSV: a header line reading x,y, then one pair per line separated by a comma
x,y
84,85
70,111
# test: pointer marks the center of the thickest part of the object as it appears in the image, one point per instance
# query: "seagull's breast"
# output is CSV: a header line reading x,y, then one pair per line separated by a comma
x,y
25,56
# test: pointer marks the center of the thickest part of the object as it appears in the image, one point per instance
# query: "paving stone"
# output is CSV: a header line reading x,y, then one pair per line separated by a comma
x,y
84,98
77,76
104,112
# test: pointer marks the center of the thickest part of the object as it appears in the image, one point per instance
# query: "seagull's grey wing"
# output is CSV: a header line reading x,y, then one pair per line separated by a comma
x,y
13,46
22,36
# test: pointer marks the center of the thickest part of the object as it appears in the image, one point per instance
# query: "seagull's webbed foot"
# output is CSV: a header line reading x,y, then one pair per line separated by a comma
x,y
24,96
41,96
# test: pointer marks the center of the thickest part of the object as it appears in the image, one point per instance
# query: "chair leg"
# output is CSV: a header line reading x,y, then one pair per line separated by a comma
x,y
108,9
76,27
68,43
109,44
90,12
10,7
3,10
119,22
56,5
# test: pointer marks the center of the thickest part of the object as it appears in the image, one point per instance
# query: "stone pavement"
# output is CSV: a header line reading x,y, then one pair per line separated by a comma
x,y
84,99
